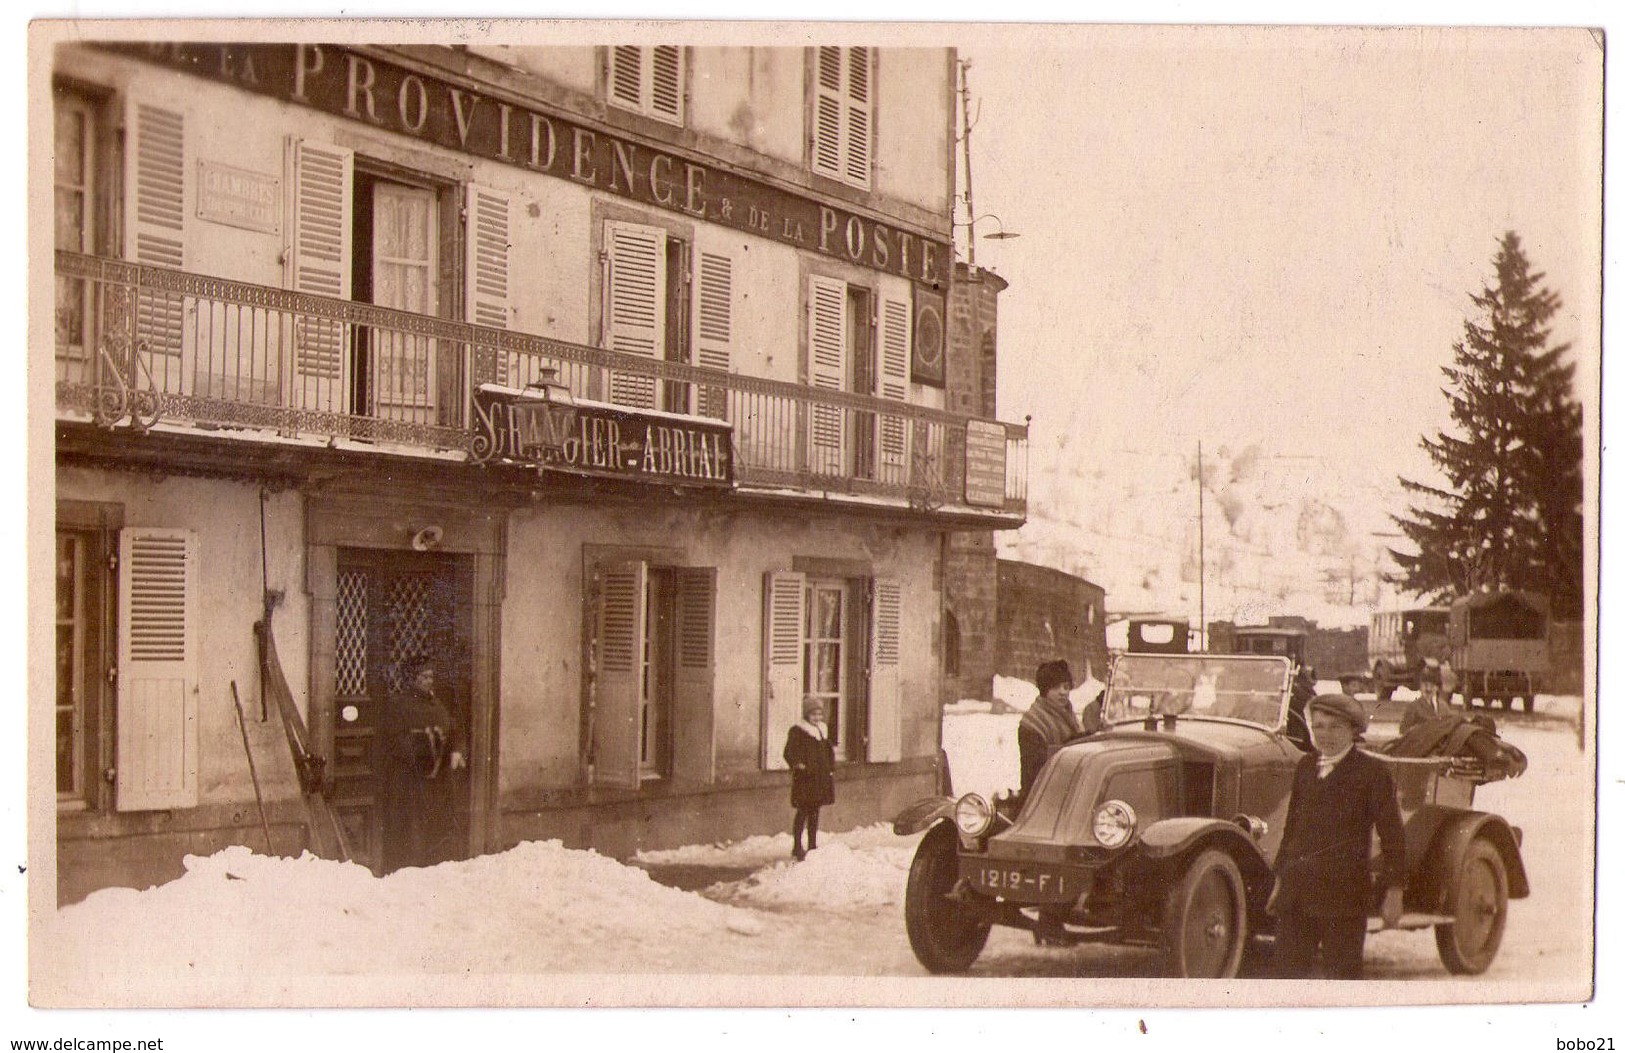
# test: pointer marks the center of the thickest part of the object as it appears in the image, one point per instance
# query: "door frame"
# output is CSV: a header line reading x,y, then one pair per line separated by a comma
x,y
369,520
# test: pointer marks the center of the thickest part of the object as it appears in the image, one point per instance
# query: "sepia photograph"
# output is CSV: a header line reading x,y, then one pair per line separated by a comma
x,y
560,514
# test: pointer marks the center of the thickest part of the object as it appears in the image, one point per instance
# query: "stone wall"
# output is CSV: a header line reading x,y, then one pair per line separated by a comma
x,y
1046,613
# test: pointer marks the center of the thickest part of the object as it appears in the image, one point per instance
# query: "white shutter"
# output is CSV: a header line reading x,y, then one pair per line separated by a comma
x,y
617,696
694,718
896,337
784,602
843,114
635,305
826,368
155,210
487,298
648,80
156,764
885,681
713,335
319,262
859,115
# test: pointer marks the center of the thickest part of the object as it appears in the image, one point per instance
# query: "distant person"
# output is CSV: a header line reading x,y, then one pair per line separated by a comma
x,y
1048,722
1323,886
811,757
1297,719
1428,704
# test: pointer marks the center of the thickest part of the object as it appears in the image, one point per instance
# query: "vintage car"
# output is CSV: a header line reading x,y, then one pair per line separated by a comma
x,y
1160,831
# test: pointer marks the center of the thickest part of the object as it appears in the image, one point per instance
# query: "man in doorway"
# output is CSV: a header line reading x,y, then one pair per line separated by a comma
x,y
1322,872
420,746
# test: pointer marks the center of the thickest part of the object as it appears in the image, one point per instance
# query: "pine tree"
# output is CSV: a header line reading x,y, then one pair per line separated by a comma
x,y
1508,512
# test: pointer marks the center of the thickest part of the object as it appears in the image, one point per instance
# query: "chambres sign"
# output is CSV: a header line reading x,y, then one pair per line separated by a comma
x,y
592,438
382,94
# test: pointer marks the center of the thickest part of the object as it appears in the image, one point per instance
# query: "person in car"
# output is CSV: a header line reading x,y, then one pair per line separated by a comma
x,y
1049,722
1322,872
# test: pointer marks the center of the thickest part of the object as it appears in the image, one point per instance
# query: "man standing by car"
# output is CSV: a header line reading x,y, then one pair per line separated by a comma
x,y
1048,722
1322,872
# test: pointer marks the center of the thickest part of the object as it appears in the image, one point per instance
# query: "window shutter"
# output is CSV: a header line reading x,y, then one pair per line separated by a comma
x,y
319,262
858,115
666,83
828,109
617,697
156,762
626,77
826,347
885,681
155,213
635,307
694,751
486,271
843,114
784,595
896,337
713,295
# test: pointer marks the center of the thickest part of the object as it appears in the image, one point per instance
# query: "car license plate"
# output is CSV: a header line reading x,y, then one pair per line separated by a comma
x,y
1035,883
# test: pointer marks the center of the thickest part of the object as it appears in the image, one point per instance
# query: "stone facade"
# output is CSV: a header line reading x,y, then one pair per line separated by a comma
x,y
1046,613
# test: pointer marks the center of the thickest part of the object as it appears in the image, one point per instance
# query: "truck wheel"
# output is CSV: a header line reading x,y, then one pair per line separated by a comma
x,y
1204,922
1478,902
945,935
1529,703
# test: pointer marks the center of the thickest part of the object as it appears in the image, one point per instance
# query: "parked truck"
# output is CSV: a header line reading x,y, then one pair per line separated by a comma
x,y
1401,642
1499,647
1333,654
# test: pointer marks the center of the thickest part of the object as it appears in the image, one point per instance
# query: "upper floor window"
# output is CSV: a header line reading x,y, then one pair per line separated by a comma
x,y
648,80
843,114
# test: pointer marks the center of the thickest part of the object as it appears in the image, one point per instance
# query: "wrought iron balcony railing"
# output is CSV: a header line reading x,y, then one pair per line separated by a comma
x,y
143,344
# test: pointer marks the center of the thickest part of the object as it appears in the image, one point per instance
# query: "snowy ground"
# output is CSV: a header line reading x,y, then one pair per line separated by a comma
x,y
543,925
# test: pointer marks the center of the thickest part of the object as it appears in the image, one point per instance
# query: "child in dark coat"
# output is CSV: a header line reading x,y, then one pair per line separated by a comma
x,y
811,757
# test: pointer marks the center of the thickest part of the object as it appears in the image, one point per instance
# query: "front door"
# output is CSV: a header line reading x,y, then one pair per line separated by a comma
x,y
392,606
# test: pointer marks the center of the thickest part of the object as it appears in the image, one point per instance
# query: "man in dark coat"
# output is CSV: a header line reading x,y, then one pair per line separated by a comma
x,y
1323,885
1048,722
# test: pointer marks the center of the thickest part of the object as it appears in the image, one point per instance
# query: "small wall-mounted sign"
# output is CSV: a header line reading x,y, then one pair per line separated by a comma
x,y
984,464
239,198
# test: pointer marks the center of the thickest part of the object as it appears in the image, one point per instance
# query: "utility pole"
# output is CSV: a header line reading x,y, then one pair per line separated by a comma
x,y
970,207
1201,550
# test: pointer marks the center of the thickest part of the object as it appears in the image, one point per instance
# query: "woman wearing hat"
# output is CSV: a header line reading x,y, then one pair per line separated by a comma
x,y
1048,722
1322,872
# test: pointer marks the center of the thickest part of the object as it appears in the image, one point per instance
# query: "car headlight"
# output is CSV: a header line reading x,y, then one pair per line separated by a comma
x,y
1114,823
973,815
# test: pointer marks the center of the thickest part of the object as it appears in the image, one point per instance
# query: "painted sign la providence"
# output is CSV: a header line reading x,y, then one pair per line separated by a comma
x,y
435,108
594,438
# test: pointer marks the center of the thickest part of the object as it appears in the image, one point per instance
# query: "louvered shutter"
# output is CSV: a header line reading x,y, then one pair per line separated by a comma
x,y
896,337
694,756
617,697
843,114
635,305
826,368
885,680
648,80
859,115
156,758
784,596
319,262
487,298
155,212
713,295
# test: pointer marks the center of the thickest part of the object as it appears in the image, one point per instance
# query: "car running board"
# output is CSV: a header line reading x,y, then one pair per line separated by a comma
x,y
1412,921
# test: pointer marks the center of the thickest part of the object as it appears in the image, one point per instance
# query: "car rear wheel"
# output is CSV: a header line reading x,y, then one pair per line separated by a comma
x,y
946,936
1204,922
1478,902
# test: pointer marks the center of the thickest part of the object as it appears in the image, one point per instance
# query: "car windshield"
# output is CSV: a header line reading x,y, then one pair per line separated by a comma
x,y
1253,689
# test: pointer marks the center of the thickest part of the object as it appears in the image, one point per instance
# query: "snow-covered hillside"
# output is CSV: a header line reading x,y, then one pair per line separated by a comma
x,y
1283,534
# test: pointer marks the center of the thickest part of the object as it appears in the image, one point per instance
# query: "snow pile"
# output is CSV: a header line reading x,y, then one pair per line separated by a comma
x,y
538,906
839,875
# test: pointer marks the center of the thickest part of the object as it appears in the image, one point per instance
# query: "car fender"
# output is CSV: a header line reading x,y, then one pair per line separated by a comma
x,y
1169,838
926,812
1453,830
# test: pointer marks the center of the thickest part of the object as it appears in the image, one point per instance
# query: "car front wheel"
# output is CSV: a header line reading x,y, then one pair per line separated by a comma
x,y
1204,922
1478,902
946,936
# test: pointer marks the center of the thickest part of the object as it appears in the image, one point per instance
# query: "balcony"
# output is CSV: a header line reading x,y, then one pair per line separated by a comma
x,y
152,348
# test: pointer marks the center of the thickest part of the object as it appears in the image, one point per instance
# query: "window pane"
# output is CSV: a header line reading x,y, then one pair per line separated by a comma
x,y
64,751
66,665
66,553
70,146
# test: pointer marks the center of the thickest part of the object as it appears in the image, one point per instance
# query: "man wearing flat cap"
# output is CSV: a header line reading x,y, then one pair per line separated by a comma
x,y
1323,887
